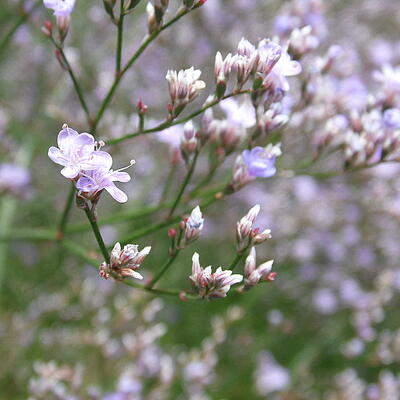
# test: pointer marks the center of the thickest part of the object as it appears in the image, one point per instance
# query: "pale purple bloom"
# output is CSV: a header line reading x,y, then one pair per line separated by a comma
x,y
91,183
76,152
13,178
391,118
260,162
62,8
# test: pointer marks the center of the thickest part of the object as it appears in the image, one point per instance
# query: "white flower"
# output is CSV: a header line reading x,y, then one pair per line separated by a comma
x,y
62,8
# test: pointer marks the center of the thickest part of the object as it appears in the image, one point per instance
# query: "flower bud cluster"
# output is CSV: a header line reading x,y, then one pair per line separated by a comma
x,y
210,285
258,162
246,235
266,65
87,166
124,262
184,87
254,274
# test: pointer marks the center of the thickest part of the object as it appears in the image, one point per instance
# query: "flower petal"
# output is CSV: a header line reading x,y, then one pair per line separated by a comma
x,y
70,171
116,193
57,156
66,137
120,176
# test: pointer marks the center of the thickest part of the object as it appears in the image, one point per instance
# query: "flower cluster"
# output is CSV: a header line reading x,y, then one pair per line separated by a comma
x,y
87,166
254,274
184,87
124,262
246,235
210,285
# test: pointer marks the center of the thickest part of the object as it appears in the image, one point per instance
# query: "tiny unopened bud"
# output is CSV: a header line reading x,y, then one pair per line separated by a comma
x,y
141,107
47,28
172,233
193,226
262,236
271,277
63,22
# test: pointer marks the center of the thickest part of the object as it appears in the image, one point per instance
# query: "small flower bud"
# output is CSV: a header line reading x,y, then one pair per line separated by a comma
x,y
189,140
172,233
262,237
193,226
141,107
47,28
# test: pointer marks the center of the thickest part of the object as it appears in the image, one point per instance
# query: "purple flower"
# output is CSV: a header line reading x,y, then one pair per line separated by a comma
x,y
13,178
91,183
260,162
62,8
76,152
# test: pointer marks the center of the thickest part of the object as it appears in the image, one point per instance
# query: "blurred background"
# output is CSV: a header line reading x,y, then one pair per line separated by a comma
x,y
326,328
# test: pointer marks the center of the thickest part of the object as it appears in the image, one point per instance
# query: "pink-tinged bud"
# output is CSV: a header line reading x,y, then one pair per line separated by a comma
x,y
193,226
244,229
250,264
262,237
47,28
189,140
271,277
63,22
172,233
104,271
141,107
201,2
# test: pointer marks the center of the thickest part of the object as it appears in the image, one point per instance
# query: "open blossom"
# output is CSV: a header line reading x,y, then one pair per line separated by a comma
x,y
210,285
13,178
62,8
252,273
76,152
194,225
124,262
260,161
91,183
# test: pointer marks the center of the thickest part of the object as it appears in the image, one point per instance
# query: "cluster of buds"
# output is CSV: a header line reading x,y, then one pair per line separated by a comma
x,y
62,10
254,274
246,235
124,262
258,162
190,229
267,66
184,87
271,120
155,14
210,285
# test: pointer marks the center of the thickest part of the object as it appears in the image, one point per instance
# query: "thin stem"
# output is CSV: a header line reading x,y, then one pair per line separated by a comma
x,y
22,18
205,180
167,124
167,184
75,82
147,41
97,234
184,184
67,209
163,269
119,38
235,261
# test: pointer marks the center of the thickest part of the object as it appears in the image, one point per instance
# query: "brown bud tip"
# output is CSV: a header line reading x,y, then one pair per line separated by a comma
x,y
182,224
171,233
182,296
219,195
271,276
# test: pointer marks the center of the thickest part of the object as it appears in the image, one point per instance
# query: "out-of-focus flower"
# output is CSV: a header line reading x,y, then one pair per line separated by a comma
x,y
124,262
260,161
302,41
241,114
252,273
76,152
193,226
189,140
61,8
210,285
389,77
184,86
14,179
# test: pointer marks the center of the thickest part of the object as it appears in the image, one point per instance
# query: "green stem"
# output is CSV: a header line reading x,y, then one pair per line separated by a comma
x,y
97,234
235,261
119,39
23,17
184,184
75,82
167,124
163,269
67,209
147,41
